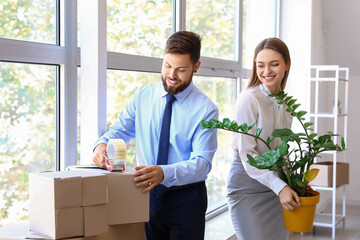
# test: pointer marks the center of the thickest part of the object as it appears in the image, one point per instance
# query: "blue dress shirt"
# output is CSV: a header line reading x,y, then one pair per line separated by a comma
x,y
191,147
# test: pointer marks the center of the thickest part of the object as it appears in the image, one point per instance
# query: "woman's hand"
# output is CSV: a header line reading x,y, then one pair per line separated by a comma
x,y
289,198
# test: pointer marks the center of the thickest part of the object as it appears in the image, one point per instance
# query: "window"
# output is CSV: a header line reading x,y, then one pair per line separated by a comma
x,y
32,20
121,85
39,122
27,130
139,27
215,22
259,22
222,93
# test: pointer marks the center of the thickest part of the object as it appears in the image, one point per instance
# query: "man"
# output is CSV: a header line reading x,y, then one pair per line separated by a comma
x,y
176,182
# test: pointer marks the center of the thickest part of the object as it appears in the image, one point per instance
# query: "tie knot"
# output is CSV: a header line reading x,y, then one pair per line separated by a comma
x,y
170,99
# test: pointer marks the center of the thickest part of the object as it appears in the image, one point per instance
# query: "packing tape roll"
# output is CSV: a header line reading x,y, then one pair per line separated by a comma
x,y
116,149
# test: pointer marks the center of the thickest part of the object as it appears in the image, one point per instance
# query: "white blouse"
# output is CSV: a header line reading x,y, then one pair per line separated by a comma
x,y
254,105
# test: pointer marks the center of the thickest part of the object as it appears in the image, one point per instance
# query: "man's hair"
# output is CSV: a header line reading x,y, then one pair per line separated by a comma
x,y
184,42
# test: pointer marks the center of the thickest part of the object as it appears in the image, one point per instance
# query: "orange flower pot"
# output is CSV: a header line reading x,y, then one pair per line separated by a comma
x,y
301,219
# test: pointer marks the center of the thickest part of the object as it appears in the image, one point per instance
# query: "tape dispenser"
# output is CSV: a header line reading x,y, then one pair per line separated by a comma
x,y
115,155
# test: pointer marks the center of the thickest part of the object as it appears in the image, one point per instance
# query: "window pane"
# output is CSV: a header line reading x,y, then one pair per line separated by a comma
x,y
31,20
222,92
139,27
215,22
121,86
27,132
259,22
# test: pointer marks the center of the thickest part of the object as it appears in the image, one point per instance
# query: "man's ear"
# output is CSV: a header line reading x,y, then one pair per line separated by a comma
x,y
197,66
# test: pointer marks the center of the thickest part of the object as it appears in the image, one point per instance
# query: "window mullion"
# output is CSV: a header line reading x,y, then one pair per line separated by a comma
x,y
68,85
93,75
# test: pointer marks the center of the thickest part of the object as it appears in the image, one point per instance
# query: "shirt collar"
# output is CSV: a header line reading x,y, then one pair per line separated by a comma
x,y
264,89
181,96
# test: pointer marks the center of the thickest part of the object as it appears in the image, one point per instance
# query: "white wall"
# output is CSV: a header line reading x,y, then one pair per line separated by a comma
x,y
326,32
342,39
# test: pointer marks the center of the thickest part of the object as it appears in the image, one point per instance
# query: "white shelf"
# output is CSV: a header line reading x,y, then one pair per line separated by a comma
x,y
332,75
327,115
325,188
325,219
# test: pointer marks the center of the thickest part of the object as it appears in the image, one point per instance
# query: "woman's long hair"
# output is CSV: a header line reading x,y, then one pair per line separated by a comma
x,y
277,45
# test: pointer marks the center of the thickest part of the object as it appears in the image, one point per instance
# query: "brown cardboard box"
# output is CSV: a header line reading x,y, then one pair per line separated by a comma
x,y
325,176
68,203
94,190
95,220
130,231
60,223
127,203
54,204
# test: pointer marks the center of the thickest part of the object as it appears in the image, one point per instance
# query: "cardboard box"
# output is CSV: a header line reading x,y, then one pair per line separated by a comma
x,y
56,190
126,203
94,190
325,176
130,231
95,220
54,204
60,223
56,201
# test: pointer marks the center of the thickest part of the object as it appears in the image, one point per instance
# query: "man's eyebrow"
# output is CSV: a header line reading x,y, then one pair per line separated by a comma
x,y
177,67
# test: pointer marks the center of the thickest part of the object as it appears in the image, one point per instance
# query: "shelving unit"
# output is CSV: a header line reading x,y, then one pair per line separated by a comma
x,y
330,81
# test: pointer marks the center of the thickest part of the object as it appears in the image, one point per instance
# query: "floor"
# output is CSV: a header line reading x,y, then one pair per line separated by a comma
x,y
220,228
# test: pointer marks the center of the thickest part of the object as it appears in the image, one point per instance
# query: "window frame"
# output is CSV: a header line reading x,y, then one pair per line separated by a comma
x,y
66,55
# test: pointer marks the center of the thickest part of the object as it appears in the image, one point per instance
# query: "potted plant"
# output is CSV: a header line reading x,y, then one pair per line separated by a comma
x,y
291,163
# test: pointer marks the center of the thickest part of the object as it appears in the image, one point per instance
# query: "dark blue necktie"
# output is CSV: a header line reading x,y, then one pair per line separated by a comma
x,y
163,152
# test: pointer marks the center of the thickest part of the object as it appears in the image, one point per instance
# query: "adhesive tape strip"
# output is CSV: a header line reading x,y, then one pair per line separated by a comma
x,y
116,149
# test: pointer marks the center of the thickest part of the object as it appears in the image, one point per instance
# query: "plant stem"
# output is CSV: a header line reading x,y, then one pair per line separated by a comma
x,y
249,134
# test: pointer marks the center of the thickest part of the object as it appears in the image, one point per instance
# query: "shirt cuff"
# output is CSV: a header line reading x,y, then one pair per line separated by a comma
x,y
100,140
168,175
277,185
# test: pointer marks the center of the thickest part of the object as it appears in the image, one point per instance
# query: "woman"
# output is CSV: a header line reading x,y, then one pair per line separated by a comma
x,y
255,196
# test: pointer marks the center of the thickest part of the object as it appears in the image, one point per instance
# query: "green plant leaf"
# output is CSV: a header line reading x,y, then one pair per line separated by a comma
x,y
264,161
234,126
282,132
301,113
300,163
283,148
343,143
258,132
204,124
311,136
300,183
226,123
308,124
291,102
251,126
243,127
296,106
268,140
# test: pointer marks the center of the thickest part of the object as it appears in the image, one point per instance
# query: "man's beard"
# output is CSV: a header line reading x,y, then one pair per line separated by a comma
x,y
175,90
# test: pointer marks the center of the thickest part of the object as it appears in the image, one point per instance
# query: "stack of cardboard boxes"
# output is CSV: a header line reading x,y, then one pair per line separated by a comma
x,y
91,204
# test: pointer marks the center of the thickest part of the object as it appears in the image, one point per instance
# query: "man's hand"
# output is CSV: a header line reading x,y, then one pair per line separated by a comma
x,y
147,177
98,155
289,198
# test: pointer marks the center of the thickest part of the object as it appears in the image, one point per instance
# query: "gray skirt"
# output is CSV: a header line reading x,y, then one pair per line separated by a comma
x,y
255,209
